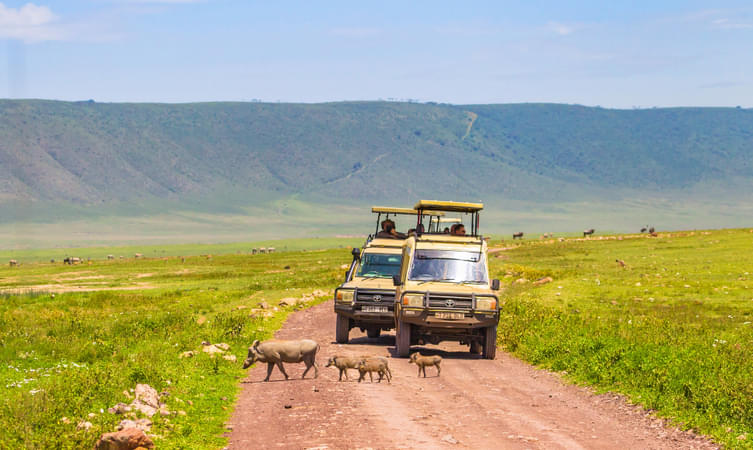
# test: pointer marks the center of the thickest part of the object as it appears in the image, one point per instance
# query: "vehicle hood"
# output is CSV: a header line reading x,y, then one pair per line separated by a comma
x,y
369,283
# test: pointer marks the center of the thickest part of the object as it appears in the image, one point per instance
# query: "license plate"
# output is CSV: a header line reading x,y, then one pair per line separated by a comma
x,y
449,315
374,309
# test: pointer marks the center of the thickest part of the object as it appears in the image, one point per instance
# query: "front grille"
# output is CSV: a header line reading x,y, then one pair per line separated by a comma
x,y
450,301
375,297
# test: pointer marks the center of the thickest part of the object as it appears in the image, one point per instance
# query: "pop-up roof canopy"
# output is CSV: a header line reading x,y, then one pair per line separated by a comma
x,y
423,206
437,205
389,210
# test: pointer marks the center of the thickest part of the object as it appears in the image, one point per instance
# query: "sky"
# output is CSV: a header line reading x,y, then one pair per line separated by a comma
x,y
636,54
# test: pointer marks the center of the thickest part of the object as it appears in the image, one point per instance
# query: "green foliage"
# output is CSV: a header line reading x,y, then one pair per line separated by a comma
x,y
68,354
672,329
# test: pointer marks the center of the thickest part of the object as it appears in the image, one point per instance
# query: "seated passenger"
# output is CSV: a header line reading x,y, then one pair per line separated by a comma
x,y
458,230
389,232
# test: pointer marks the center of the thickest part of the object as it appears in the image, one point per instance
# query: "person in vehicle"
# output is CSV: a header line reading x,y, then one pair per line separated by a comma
x,y
388,231
458,230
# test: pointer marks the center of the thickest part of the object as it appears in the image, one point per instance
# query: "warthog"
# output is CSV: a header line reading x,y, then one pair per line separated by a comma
x,y
277,352
374,364
423,361
518,235
343,363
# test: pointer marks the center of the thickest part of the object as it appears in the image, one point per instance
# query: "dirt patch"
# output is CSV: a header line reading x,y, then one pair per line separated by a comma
x,y
475,403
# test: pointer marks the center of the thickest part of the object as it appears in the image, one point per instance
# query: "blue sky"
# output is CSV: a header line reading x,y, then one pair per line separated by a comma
x,y
620,55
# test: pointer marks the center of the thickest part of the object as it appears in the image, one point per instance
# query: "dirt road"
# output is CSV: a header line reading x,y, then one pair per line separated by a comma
x,y
475,403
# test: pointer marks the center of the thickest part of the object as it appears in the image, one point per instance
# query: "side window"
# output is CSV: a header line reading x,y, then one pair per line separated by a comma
x,y
406,262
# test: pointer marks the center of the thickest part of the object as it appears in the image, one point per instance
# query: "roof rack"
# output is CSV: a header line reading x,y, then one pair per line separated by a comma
x,y
390,210
447,206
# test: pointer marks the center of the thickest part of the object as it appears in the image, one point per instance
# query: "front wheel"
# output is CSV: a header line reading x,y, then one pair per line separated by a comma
x,y
342,329
476,347
373,333
490,342
402,340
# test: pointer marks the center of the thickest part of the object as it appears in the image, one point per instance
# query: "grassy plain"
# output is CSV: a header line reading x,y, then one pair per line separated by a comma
x,y
69,354
671,329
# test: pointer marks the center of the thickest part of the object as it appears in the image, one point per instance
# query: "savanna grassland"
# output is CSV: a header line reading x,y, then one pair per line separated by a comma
x,y
671,329
78,336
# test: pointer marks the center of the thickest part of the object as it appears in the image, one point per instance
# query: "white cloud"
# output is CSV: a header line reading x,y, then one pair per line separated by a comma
x,y
29,23
561,29
356,32
727,24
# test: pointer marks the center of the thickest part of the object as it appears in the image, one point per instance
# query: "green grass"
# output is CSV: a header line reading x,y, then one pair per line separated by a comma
x,y
71,354
672,330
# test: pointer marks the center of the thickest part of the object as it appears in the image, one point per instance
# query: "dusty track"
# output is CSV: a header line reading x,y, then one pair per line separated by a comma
x,y
475,403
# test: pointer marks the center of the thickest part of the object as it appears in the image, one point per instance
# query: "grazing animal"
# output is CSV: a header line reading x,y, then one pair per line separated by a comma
x,y
110,256
254,251
643,230
651,230
343,363
370,365
271,250
423,361
138,255
275,352
518,235
588,232
13,262
621,263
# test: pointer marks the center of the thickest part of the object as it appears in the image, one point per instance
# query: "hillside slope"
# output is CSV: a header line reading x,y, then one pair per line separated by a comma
x,y
91,153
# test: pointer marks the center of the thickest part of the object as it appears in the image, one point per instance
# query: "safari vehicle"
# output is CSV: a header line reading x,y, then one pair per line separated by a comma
x,y
366,299
443,289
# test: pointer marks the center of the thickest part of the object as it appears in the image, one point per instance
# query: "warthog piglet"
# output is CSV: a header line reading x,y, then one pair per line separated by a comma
x,y
378,365
423,361
343,363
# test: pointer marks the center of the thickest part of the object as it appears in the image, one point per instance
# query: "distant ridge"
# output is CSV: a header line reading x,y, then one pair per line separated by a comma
x,y
88,153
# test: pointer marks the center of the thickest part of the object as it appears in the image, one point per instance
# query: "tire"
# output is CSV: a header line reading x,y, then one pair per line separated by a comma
x,y
490,343
476,347
373,333
342,329
402,340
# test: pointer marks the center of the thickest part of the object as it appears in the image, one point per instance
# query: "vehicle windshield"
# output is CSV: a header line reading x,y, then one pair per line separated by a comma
x,y
445,265
378,265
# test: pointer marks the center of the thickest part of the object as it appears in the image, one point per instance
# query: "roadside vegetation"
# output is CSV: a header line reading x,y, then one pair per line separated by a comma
x,y
670,327
67,356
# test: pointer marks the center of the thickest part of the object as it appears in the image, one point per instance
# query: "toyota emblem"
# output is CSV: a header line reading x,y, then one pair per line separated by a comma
x,y
377,298
450,303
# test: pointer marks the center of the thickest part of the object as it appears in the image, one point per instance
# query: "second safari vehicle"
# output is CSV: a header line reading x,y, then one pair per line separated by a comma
x,y
366,299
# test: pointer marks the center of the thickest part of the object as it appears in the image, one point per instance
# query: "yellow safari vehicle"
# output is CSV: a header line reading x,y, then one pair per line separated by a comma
x,y
366,299
443,289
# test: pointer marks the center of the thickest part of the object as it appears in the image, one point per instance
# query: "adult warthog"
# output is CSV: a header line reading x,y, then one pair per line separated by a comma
x,y
277,352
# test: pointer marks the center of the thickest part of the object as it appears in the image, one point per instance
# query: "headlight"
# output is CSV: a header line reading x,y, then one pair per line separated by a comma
x,y
486,303
345,296
413,300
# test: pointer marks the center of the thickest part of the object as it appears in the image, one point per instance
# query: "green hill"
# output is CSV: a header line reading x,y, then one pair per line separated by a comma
x,y
60,160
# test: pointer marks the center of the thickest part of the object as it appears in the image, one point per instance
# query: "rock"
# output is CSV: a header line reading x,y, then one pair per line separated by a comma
x,y
345,266
188,354
288,301
65,420
120,408
147,400
230,358
127,395
205,343
141,424
239,307
181,413
91,415
222,346
742,437
543,280
127,439
319,293
83,425
212,349
449,439
288,406
263,305
201,320
521,281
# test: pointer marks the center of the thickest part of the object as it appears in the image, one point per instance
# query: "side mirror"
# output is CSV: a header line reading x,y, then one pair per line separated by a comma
x,y
356,252
396,280
495,284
